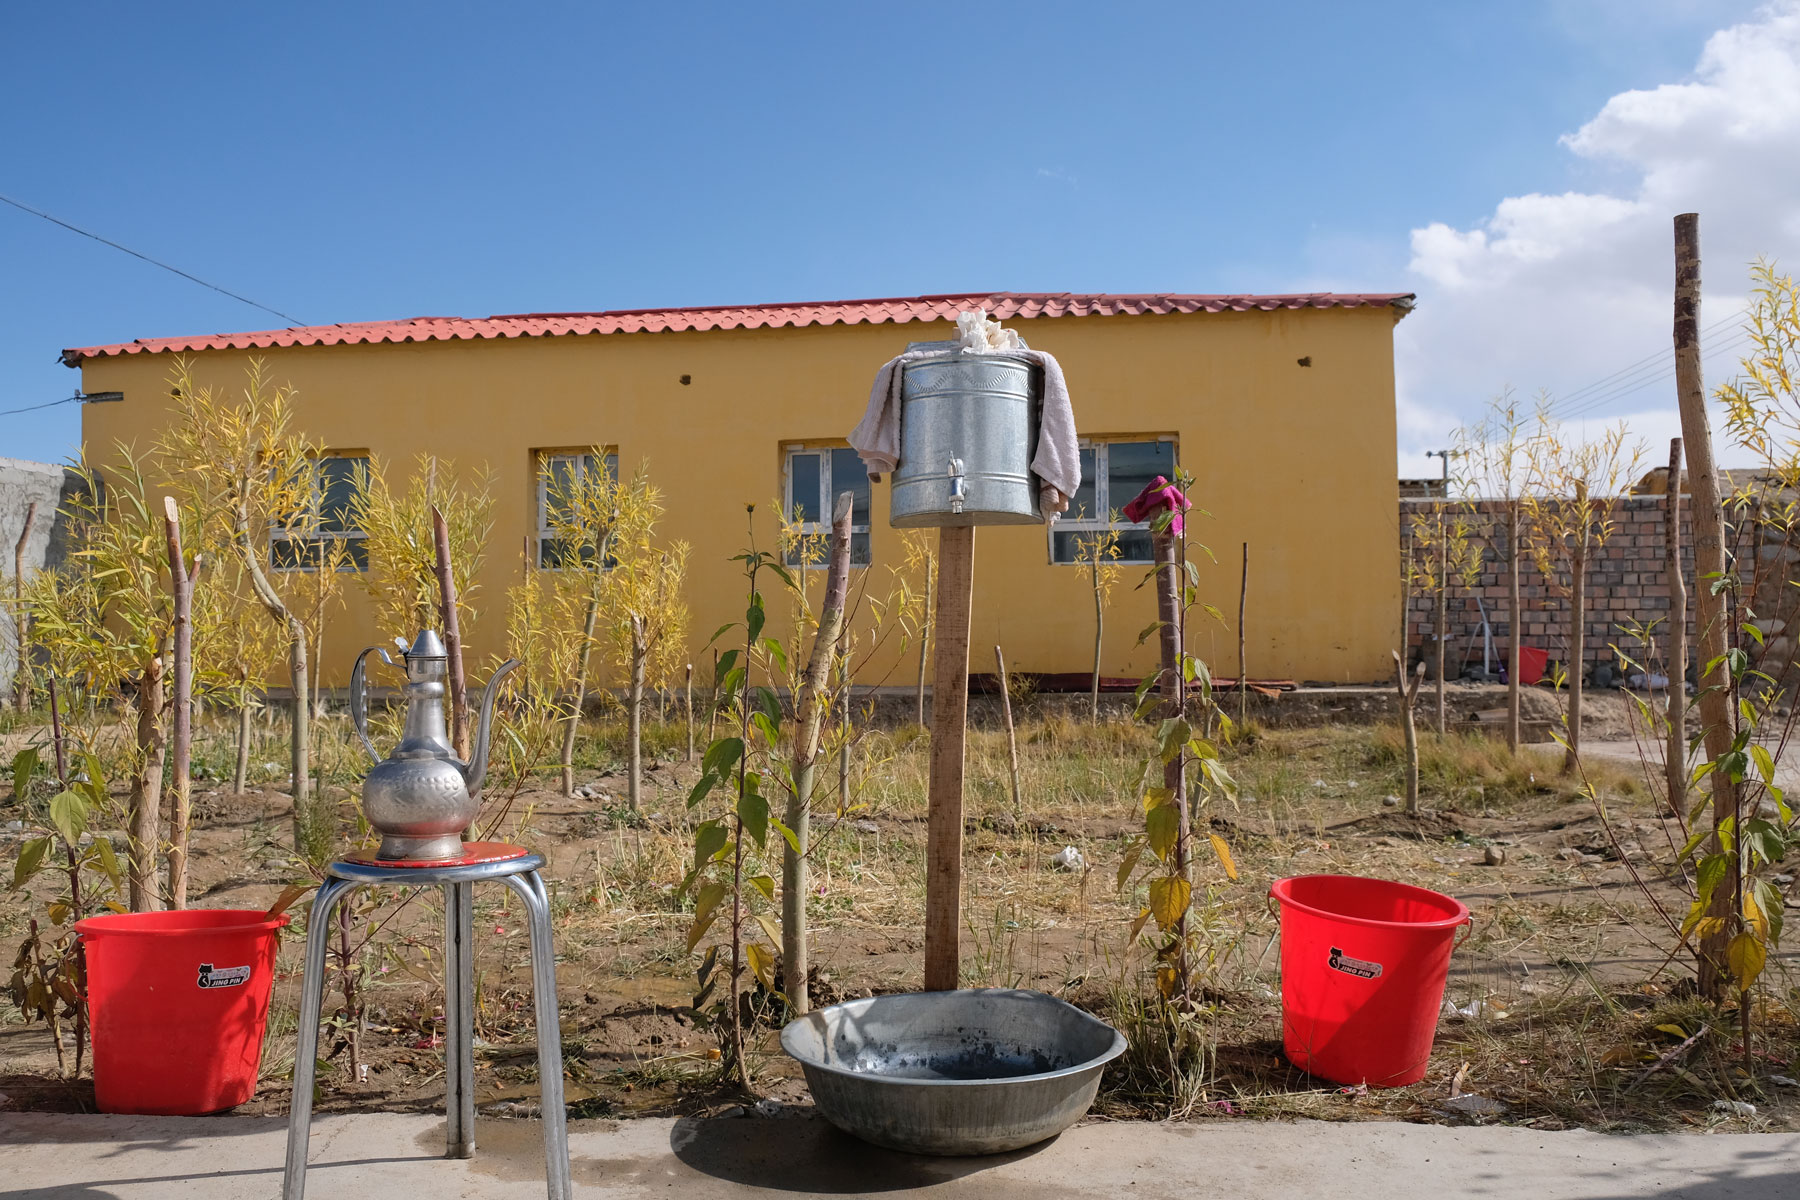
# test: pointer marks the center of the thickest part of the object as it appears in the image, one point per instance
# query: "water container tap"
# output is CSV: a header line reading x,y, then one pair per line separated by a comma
x,y
957,486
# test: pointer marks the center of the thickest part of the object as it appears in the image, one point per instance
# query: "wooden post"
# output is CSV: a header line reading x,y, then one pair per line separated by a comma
x,y
21,623
1012,737
1709,568
1243,678
1409,696
1443,600
181,739
1515,626
949,724
688,704
812,710
459,694
1578,556
1675,754
925,631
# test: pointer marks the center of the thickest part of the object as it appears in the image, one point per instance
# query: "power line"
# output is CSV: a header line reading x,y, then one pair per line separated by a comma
x,y
76,399
1662,359
153,262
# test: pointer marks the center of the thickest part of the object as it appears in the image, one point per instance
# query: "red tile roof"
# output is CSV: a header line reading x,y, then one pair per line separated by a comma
x,y
1002,305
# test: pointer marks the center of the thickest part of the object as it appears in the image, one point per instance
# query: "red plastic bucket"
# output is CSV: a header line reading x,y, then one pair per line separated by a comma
x,y
1363,964
179,1001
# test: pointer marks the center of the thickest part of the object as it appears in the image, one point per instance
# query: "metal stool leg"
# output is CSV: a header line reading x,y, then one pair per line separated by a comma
x,y
459,1020
530,887
306,1051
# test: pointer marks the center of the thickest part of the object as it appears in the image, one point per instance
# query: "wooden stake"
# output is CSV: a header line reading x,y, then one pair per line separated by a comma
x,y
21,623
1443,599
812,709
1675,754
949,725
688,704
1578,558
1709,567
1409,697
181,585
1516,628
1012,738
925,632
459,693
1243,679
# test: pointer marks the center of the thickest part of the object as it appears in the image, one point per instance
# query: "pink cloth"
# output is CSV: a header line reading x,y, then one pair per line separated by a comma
x,y
1156,496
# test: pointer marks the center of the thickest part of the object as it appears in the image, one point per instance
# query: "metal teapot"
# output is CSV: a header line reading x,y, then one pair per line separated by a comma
x,y
421,797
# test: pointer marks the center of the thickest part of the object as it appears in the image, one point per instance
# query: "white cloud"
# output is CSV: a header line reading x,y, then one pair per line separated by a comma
x,y
1561,291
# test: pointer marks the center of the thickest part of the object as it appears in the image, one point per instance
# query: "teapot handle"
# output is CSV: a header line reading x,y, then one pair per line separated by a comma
x,y
359,699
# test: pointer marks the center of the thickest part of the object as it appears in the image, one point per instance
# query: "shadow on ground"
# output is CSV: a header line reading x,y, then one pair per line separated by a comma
x,y
810,1155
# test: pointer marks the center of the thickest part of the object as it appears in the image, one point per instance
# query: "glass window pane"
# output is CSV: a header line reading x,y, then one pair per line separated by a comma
x,y
1134,546
338,477
1063,547
1130,466
1083,503
284,553
558,483
849,475
359,554
859,548
612,468
803,486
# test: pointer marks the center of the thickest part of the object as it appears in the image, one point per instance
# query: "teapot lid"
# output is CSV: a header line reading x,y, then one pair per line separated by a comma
x,y
426,645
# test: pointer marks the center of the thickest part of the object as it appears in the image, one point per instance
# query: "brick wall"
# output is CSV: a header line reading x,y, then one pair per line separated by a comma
x,y
1627,582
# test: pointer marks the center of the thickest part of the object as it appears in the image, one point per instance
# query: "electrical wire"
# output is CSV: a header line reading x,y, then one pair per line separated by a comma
x,y
153,262
1633,377
34,407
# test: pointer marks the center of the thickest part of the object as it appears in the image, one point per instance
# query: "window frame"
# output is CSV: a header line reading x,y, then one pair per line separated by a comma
x,y
826,493
1065,523
540,490
279,536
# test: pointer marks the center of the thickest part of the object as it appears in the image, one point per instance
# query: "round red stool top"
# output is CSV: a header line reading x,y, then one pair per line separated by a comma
x,y
474,854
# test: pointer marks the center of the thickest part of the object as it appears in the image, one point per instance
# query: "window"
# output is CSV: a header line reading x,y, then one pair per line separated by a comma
x,y
814,476
559,477
1112,474
327,531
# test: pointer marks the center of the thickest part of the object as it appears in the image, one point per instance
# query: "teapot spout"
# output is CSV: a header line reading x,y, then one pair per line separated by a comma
x,y
475,773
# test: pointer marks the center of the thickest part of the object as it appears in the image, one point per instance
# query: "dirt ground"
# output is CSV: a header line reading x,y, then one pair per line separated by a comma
x,y
1565,1006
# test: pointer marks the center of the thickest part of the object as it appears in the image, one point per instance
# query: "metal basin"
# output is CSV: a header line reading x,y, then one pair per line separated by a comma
x,y
981,1071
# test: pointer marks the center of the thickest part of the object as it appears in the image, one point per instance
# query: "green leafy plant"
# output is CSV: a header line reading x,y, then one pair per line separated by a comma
x,y
49,980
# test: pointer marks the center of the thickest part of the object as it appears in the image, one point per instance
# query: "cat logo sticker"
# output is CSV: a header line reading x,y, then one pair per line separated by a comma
x,y
1361,968
223,977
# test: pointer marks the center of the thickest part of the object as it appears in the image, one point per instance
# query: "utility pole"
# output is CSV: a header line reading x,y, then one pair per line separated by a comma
x,y
1443,579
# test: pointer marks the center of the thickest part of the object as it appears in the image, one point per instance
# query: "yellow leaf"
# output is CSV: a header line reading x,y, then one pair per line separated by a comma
x,y
770,928
1137,926
289,894
1169,898
1673,1031
762,961
1753,916
1224,853
1163,824
1156,797
1165,981
1745,956
697,930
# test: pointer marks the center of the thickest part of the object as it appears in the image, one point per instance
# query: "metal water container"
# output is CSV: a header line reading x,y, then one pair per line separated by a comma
x,y
968,431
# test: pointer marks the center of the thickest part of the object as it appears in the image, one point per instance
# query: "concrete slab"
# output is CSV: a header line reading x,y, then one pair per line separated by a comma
x,y
384,1156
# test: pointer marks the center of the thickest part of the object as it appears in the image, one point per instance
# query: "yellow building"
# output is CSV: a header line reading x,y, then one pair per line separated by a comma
x,y
1281,406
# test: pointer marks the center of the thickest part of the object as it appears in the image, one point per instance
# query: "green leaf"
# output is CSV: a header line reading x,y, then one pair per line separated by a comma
x,y
109,862
31,857
722,755
727,660
698,929
24,766
1708,875
1149,629
709,839
1133,856
721,631
754,618
702,788
764,884
1162,825
776,652
69,813
1765,764
788,835
753,811
763,725
768,702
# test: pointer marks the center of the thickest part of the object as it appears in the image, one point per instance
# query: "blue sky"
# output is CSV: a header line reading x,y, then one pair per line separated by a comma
x,y
392,160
